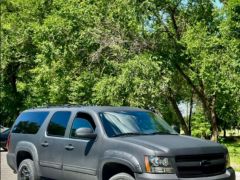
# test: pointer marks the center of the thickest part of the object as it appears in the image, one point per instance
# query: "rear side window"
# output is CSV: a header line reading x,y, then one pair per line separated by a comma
x,y
29,122
58,123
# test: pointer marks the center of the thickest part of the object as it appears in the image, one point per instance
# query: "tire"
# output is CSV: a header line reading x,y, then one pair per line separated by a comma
x,y
122,176
27,171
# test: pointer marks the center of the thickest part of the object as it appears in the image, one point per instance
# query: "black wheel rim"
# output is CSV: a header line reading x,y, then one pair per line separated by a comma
x,y
25,173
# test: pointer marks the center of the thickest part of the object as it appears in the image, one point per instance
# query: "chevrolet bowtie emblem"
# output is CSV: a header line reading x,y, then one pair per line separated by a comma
x,y
205,163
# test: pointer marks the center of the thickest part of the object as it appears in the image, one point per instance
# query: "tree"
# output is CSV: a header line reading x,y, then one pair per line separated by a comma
x,y
196,49
145,53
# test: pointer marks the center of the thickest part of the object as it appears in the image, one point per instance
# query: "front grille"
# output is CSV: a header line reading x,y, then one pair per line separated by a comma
x,y
203,165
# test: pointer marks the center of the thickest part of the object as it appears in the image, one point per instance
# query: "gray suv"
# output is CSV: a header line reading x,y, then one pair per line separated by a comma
x,y
109,143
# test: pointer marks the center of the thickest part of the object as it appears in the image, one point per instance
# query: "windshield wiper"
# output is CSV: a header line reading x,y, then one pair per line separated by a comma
x,y
129,134
162,133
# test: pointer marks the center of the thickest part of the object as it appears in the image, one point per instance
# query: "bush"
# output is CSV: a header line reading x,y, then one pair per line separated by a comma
x,y
200,127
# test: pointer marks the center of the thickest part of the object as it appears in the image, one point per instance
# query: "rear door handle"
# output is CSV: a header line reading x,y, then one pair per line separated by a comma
x,y
69,147
44,144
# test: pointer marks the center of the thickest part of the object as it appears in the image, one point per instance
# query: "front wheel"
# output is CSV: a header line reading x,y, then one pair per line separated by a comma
x,y
122,176
26,170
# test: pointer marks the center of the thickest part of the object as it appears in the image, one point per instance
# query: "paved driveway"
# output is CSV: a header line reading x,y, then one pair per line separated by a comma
x,y
7,174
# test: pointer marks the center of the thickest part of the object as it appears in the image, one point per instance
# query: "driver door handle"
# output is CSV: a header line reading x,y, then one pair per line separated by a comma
x,y
69,147
44,144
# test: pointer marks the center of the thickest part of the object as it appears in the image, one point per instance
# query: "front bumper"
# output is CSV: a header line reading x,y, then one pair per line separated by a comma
x,y
229,175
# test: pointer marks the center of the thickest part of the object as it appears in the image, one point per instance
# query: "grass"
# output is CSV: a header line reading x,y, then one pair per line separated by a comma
x,y
233,145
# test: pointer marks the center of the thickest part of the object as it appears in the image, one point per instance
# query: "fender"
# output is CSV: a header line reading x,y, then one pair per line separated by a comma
x,y
121,157
30,148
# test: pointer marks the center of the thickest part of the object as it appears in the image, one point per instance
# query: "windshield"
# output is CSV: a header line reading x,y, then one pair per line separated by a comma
x,y
134,123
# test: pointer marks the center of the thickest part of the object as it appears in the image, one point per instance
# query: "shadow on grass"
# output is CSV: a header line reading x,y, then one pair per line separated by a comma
x,y
232,140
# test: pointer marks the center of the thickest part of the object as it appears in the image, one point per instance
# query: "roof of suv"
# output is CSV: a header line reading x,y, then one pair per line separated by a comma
x,y
93,108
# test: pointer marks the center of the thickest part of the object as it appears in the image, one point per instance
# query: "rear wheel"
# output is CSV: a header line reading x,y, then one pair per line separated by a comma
x,y
26,170
122,176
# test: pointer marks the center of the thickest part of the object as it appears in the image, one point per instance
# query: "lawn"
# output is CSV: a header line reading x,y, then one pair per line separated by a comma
x,y
233,145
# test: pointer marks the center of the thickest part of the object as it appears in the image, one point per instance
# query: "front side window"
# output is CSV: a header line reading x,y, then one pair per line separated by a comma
x,y
58,123
134,123
29,122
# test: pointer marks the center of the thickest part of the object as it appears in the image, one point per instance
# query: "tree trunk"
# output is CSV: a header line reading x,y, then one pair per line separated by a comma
x,y
190,114
210,114
214,127
224,130
207,102
15,98
179,114
214,120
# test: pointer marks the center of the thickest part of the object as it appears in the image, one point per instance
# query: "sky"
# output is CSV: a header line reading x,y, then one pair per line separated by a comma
x,y
218,4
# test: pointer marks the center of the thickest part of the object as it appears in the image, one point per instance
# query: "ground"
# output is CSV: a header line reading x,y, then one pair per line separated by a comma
x,y
6,172
233,145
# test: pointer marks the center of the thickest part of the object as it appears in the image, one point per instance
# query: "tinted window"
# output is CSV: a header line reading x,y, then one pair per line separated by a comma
x,y
79,123
58,123
29,122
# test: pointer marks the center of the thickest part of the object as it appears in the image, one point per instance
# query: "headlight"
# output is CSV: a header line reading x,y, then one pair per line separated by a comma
x,y
158,165
227,160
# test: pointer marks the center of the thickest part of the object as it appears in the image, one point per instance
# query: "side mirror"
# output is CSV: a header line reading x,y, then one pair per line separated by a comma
x,y
85,133
176,128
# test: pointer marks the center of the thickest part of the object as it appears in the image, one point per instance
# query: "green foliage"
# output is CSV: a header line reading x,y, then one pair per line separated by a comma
x,y
146,53
200,127
140,82
215,62
233,146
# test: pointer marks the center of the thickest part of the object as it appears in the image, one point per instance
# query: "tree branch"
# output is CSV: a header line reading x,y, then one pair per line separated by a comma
x,y
175,26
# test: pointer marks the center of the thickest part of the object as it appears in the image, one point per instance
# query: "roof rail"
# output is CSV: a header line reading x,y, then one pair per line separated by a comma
x,y
58,105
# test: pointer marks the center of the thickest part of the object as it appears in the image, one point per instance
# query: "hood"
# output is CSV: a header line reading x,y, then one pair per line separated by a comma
x,y
175,144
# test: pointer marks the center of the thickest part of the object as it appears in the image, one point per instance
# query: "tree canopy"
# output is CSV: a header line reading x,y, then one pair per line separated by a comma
x,y
144,53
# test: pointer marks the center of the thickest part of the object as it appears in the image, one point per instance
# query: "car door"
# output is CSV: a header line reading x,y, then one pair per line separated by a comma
x,y
51,145
80,159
